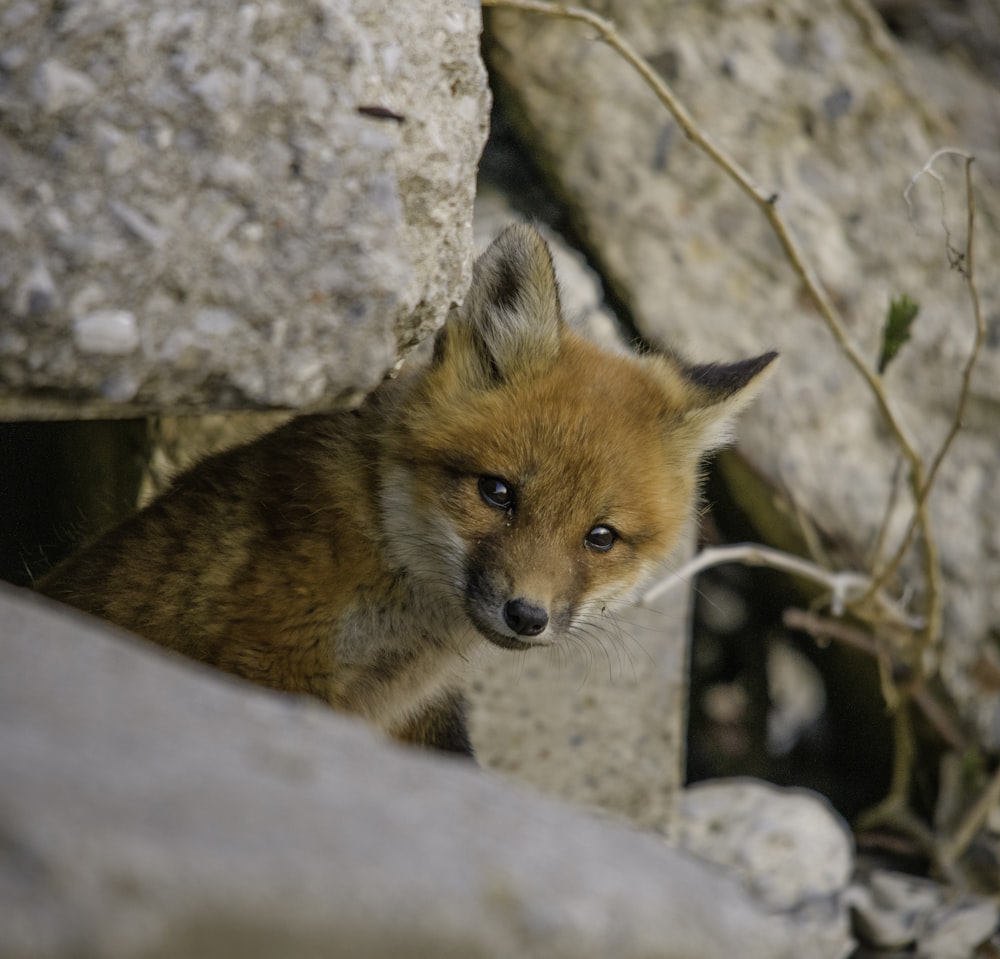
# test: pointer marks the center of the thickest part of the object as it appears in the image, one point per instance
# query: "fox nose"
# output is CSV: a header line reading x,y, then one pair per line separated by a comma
x,y
525,618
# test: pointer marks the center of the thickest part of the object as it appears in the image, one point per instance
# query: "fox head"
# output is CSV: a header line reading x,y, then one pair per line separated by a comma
x,y
534,477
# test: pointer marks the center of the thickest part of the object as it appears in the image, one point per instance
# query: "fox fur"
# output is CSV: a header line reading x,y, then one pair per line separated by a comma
x,y
507,491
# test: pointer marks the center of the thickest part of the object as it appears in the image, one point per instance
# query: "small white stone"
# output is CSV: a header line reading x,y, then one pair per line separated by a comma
x,y
957,933
215,323
895,890
120,387
112,332
787,845
57,87
140,225
876,926
229,171
215,89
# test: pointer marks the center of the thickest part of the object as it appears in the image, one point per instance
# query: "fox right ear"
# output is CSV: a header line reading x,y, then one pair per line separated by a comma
x,y
510,322
717,392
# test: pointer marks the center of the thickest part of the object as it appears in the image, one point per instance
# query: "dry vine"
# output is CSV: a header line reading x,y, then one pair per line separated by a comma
x,y
863,595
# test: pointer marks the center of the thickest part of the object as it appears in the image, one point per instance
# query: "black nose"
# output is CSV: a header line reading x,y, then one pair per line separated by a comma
x,y
524,618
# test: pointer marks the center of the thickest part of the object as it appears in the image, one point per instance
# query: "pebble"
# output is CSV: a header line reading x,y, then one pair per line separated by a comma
x,y
896,911
113,332
788,845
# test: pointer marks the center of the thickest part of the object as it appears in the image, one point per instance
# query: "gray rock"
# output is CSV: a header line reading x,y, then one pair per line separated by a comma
x,y
152,807
821,107
209,207
788,845
790,849
894,911
879,927
955,933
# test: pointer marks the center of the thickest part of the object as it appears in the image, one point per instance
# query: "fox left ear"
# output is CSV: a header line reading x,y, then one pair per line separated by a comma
x,y
717,392
510,322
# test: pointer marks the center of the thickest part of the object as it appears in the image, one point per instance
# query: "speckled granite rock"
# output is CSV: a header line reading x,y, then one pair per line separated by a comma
x,y
222,206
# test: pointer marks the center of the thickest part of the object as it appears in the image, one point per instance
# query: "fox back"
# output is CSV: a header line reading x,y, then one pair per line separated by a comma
x,y
510,490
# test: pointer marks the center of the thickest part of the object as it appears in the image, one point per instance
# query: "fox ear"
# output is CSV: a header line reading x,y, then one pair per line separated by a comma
x,y
717,392
510,322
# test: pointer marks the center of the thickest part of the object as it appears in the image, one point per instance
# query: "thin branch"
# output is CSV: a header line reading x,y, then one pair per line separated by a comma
x,y
842,586
903,758
952,848
845,587
875,552
823,628
968,264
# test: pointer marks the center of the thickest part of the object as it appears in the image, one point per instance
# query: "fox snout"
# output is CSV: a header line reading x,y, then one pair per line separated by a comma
x,y
516,622
525,618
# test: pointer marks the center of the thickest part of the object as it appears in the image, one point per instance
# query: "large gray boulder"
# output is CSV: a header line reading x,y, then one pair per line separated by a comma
x,y
152,807
208,206
817,102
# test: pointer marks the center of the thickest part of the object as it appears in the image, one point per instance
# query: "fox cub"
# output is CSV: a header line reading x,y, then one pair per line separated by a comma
x,y
508,491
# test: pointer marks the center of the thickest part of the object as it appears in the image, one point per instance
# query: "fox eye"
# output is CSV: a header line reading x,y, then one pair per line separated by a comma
x,y
496,492
601,538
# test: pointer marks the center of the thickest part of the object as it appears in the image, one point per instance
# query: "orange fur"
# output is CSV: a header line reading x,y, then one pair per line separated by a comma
x,y
508,491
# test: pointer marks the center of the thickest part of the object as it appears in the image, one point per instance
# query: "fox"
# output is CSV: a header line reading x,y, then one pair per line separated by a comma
x,y
508,491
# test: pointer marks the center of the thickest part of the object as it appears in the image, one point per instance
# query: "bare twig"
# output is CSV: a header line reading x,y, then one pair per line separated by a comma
x,y
844,587
894,811
952,848
890,505
824,628
967,262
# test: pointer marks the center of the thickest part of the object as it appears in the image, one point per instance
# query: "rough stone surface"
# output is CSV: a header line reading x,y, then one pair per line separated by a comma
x,y
154,808
896,911
817,102
600,723
219,206
788,844
790,849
